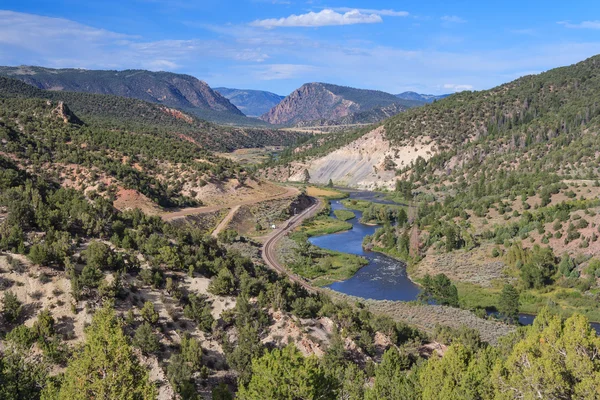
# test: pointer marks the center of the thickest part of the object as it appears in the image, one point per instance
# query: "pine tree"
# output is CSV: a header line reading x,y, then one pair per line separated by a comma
x,y
106,367
508,304
305,176
287,374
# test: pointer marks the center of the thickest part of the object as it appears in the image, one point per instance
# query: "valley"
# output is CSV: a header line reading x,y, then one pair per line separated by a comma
x,y
158,243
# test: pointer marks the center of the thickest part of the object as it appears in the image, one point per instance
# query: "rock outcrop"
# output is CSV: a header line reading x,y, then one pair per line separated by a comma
x,y
321,101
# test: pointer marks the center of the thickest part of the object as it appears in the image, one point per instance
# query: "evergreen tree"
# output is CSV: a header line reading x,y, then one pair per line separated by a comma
x,y
508,304
287,375
11,307
106,367
305,176
145,339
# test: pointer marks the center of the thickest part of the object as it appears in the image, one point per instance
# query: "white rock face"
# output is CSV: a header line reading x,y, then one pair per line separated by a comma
x,y
360,164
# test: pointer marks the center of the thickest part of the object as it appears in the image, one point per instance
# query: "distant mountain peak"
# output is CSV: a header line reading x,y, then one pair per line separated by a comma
x,y
324,101
426,98
253,103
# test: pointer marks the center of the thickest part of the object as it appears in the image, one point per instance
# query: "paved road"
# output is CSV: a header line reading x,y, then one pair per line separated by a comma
x,y
169,216
268,249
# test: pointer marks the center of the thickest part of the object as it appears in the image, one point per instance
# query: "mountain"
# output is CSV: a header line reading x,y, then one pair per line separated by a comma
x,y
530,117
253,103
425,98
322,101
371,116
166,88
138,115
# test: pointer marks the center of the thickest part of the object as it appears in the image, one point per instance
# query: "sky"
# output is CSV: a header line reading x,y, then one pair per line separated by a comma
x,y
427,46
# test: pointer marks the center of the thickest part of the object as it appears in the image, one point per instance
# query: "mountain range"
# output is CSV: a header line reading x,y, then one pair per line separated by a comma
x,y
184,92
326,104
253,103
425,98
109,110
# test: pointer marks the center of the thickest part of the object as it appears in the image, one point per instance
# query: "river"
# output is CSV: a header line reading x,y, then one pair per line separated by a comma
x,y
383,278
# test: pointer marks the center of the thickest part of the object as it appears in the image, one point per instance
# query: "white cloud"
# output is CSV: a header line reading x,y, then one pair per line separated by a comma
x,y
454,19
280,61
457,88
271,72
322,18
161,65
385,13
581,25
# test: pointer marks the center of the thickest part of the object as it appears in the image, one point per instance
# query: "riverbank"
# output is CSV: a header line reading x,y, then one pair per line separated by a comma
x,y
385,280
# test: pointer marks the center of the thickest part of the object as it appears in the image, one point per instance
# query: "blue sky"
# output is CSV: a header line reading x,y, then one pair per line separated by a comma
x,y
277,45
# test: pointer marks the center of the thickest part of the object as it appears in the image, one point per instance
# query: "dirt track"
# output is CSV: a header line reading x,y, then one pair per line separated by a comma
x,y
169,216
223,224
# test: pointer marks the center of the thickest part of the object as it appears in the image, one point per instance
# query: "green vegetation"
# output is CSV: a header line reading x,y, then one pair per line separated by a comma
x,y
126,114
324,225
487,199
321,266
105,367
344,215
440,290
375,213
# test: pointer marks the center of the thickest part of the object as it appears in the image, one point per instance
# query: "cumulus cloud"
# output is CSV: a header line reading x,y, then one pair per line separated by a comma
x,y
457,88
581,25
454,19
325,17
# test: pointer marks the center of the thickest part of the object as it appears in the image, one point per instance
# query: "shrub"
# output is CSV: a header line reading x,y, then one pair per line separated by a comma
x,y
12,307
148,313
145,339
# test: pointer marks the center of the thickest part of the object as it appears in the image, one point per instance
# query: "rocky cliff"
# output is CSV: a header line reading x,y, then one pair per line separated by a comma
x,y
321,101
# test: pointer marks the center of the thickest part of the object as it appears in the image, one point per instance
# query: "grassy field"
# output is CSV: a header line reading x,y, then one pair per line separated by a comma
x,y
322,267
564,301
344,215
325,193
324,225
362,205
333,266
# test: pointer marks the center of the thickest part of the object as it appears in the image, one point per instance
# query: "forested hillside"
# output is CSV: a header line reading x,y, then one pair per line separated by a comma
x,y
173,90
103,299
123,113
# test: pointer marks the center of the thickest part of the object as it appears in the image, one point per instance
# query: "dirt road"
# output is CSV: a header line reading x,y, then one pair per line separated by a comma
x,y
268,249
169,216
223,224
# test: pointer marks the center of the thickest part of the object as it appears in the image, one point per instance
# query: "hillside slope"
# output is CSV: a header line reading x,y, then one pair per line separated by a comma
x,y
507,191
425,98
322,101
518,125
170,89
253,103
371,116
109,110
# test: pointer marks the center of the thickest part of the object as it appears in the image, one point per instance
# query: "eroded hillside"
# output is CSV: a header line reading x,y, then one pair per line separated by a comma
x,y
368,162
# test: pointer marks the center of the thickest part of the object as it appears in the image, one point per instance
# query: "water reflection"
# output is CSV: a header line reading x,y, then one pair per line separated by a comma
x,y
383,278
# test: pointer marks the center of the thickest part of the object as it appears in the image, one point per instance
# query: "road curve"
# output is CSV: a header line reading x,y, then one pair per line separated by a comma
x,y
268,249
